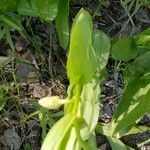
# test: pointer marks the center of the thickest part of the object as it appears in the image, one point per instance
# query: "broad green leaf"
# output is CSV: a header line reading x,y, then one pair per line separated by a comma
x,y
134,101
67,138
143,41
80,121
27,8
133,104
70,144
116,144
134,84
138,129
46,9
57,133
62,22
105,129
124,49
140,108
144,38
101,45
114,40
143,62
134,96
130,129
81,62
89,107
92,141
8,5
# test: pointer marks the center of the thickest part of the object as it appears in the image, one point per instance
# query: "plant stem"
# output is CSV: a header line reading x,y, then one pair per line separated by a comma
x,y
78,90
34,42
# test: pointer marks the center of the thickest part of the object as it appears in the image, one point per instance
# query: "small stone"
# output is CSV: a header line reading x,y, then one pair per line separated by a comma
x,y
11,139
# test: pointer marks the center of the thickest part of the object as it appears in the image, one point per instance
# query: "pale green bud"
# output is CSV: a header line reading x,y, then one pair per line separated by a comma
x,y
52,102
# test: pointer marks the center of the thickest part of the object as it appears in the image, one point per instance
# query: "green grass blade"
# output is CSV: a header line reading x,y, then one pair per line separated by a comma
x,y
8,5
3,99
11,23
2,33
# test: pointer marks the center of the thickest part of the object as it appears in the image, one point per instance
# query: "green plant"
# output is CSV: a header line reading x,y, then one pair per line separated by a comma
x,y
45,9
3,98
132,6
88,54
128,48
13,12
7,23
137,2
134,103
